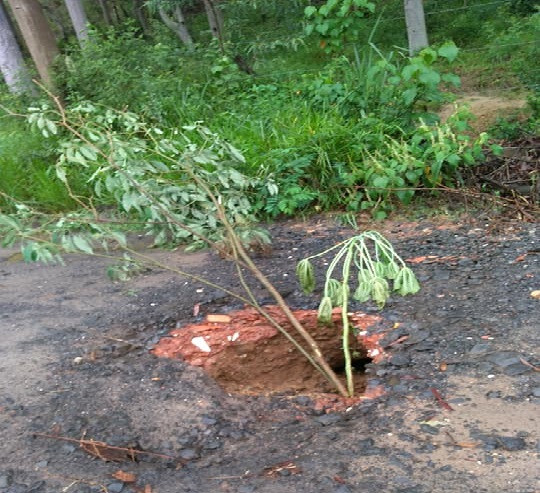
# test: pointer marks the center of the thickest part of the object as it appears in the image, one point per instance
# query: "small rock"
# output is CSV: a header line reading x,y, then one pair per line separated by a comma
x,y
342,488
246,489
115,487
4,480
432,430
441,275
416,336
411,489
328,419
189,454
480,348
366,443
494,394
208,421
303,400
511,443
68,448
212,445
503,358
400,388
400,359
516,369
18,488
83,489
41,464
36,487
536,392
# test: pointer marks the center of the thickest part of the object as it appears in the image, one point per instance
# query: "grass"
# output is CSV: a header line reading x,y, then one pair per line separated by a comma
x,y
25,168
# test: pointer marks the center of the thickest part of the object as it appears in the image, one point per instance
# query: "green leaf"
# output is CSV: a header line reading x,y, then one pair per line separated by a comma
x,y
428,55
325,310
380,181
28,252
61,174
379,291
333,289
453,79
82,244
306,275
430,78
88,153
309,11
409,96
409,71
449,51
51,127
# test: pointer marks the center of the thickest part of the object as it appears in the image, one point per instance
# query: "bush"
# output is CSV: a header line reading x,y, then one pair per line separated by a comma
x,y
518,47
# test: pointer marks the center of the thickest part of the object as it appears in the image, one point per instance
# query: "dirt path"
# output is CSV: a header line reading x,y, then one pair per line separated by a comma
x,y
75,362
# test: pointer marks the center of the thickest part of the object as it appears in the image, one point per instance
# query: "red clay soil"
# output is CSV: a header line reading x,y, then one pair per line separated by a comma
x,y
245,354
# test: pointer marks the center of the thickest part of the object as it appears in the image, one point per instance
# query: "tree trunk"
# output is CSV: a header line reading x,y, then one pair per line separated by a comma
x,y
79,20
37,35
12,63
416,26
137,7
178,26
105,12
215,21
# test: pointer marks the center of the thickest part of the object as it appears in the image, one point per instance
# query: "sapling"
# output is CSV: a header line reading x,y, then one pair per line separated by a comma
x,y
369,262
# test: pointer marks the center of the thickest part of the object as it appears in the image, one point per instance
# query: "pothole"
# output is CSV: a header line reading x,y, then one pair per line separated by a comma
x,y
247,355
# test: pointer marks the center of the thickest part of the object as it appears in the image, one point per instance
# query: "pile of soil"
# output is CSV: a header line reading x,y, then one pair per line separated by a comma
x,y
85,406
245,353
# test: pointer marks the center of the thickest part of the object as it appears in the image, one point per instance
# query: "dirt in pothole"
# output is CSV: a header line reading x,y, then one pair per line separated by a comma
x,y
245,353
460,381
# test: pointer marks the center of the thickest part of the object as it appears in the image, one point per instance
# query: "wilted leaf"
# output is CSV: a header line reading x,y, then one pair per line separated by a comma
x,y
125,477
466,444
276,469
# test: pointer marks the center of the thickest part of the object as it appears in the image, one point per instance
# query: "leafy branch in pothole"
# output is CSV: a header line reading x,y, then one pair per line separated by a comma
x,y
176,186
180,186
370,259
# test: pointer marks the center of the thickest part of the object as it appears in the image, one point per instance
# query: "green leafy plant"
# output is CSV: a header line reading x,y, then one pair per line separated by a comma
x,y
396,90
336,21
368,261
129,162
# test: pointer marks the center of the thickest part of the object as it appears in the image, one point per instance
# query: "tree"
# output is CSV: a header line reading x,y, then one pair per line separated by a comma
x,y
215,20
37,35
178,25
12,63
78,18
137,8
416,26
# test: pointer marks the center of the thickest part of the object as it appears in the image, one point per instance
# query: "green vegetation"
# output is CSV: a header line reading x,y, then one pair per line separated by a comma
x,y
353,130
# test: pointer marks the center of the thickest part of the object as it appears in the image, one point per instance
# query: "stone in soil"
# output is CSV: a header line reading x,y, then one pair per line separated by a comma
x,y
511,444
